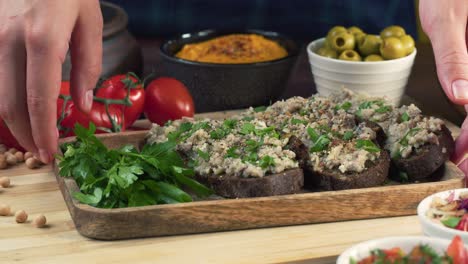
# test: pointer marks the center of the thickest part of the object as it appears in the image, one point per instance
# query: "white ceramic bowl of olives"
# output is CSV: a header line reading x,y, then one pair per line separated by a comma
x,y
378,65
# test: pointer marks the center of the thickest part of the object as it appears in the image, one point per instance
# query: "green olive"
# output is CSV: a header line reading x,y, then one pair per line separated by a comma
x,y
392,48
392,31
408,43
350,55
354,30
327,52
342,41
359,37
370,45
373,57
334,31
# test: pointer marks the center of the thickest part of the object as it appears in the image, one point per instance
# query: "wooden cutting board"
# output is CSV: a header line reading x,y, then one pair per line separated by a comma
x,y
236,214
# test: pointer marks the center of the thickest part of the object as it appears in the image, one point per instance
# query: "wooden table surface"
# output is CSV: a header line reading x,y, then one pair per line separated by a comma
x,y
36,191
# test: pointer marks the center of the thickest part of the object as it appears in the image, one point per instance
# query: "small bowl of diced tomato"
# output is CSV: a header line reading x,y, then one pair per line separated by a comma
x,y
411,249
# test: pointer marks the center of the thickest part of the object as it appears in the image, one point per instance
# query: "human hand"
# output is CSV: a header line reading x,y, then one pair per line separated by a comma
x,y
445,23
34,39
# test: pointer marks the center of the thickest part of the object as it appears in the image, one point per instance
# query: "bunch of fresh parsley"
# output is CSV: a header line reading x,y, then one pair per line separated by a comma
x,y
125,177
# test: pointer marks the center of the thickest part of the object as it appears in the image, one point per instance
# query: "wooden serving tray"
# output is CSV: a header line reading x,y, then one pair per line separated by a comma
x,y
246,213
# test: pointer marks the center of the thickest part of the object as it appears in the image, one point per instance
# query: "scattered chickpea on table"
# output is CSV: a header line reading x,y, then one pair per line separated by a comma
x,y
11,157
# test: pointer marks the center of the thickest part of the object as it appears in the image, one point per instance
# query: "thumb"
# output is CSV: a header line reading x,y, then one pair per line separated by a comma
x,y
449,45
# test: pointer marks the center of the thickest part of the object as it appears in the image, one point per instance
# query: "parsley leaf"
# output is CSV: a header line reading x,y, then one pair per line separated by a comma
x,y
296,121
348,135
260,109
367,145
247,128
204,155
232,153
266,162
123,177
405,117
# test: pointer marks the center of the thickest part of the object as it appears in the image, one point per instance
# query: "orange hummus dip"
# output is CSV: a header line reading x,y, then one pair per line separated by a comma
x,y
233,49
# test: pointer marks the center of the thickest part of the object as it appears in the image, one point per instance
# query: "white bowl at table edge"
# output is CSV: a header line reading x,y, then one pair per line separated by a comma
x,y
434,229
406,243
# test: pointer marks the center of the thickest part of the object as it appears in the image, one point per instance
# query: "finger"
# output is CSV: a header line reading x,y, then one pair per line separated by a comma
x,y
448,40
461,144
464,167
13,108
86,54
47,33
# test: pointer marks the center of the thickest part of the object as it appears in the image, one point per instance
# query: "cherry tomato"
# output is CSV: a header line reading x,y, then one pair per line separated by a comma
x,y
463,224
456,250
69,115
167,99
7,138
117,87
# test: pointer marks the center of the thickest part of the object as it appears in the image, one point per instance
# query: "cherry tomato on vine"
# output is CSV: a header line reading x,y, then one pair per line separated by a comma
x,y
167,99
117,87
69,115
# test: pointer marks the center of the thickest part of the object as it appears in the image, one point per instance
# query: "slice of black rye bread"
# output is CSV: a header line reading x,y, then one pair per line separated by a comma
x,y
287,182
375,174
428,158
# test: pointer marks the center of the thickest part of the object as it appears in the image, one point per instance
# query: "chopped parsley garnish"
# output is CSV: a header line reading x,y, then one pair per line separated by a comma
x,y
296,121
405,117
345,106
369,104
125,177
218,133
232,153
404,141
248,118
260,109
252,145
303,112
348,135
230,123
383,109
186,130
204,155
266,162
252,157
313,135
247,128
321,144
367,145
224,130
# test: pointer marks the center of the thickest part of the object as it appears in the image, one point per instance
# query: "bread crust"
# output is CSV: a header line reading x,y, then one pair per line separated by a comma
x,y
287,182
428,158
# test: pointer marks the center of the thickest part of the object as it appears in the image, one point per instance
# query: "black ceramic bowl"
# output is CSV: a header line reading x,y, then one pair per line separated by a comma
x,y
217,87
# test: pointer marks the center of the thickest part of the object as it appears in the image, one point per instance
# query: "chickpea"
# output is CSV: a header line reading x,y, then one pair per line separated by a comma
x,y
19,156
11,159
5,182
21,216
28,155
40,221
5,210
12,150
33,163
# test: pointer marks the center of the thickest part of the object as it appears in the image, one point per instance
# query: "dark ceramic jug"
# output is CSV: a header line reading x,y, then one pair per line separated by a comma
x,y
121,52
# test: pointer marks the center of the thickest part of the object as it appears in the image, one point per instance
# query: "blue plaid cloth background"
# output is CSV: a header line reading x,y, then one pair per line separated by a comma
x,y
301,19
